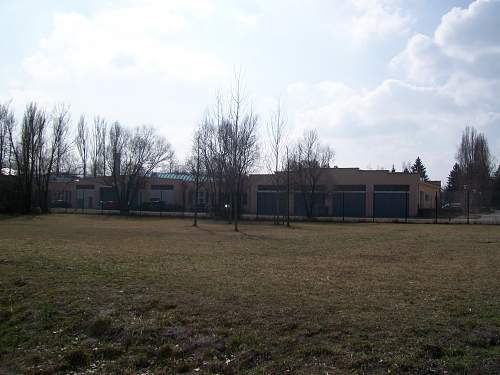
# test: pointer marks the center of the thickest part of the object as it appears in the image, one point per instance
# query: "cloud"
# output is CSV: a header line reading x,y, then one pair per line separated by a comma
x,y
124,42
246,19
159,62
134,64
422,61
471,32
440,84
376,19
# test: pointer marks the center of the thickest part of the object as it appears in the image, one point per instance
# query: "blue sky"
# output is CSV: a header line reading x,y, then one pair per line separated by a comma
x,y
382,81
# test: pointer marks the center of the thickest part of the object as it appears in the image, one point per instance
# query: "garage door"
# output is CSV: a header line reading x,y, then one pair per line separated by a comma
x,y
318,201
390,204
266,203
349,204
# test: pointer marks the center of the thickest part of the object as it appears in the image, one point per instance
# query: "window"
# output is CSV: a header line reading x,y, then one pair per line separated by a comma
x,y
392,187
162,187
270,188
84,187
349,188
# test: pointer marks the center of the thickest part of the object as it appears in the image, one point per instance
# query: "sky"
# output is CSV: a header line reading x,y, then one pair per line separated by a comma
x,y
382,81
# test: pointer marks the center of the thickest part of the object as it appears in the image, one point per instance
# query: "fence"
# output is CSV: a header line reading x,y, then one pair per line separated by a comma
x,y
443,211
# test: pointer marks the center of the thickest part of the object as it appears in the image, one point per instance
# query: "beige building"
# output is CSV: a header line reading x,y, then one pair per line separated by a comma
x,y
339,192
346,192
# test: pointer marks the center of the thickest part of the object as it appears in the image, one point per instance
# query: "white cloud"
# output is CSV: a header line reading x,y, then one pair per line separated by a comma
x,y
471,32
422,61
124,42
377,19
442,83
246,19
160,62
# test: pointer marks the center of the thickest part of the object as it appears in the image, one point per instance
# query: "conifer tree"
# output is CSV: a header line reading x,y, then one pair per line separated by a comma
x,y
418,167
453,183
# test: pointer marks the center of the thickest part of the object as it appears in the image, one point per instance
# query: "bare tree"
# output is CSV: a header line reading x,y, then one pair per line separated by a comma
x,y
194,167
61,119
52,147
134,155
228,150
241,126
82,144
35,155
406,166
274,160
474,159
476,166
6,122
26,152
308,162
97,146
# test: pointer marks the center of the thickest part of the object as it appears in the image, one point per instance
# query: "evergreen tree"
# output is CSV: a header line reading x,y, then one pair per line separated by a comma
x,y
453,183
393,170
418,167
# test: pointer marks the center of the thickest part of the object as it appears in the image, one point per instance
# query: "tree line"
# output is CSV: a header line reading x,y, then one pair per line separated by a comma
x,y
225,149
42,146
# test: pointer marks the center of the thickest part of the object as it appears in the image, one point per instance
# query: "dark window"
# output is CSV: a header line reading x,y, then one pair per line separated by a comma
x,y
270,188
349,188
84,187
108,194
162,187
392,187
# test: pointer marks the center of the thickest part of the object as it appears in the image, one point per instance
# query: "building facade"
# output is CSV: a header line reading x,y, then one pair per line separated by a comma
x,y
348,192
338,192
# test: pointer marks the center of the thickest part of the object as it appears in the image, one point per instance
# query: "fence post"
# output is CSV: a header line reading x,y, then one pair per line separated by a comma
x,y
436,208
468,205
373,206
406,206
343,207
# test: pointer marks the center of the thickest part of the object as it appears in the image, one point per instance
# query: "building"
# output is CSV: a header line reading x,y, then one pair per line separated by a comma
x,y
348,192
339,192
161,191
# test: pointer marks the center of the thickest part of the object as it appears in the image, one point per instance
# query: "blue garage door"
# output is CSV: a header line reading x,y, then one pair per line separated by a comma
x,y
318,203
390,204
349,204
266,203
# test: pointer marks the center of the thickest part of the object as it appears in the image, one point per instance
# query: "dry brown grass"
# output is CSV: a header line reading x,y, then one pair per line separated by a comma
x,y
112,294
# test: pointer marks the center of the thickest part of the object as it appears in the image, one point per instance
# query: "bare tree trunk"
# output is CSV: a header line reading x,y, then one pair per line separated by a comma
x,y
197,180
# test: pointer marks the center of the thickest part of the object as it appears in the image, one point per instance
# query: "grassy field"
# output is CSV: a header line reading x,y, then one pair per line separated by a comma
x,y
93,294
